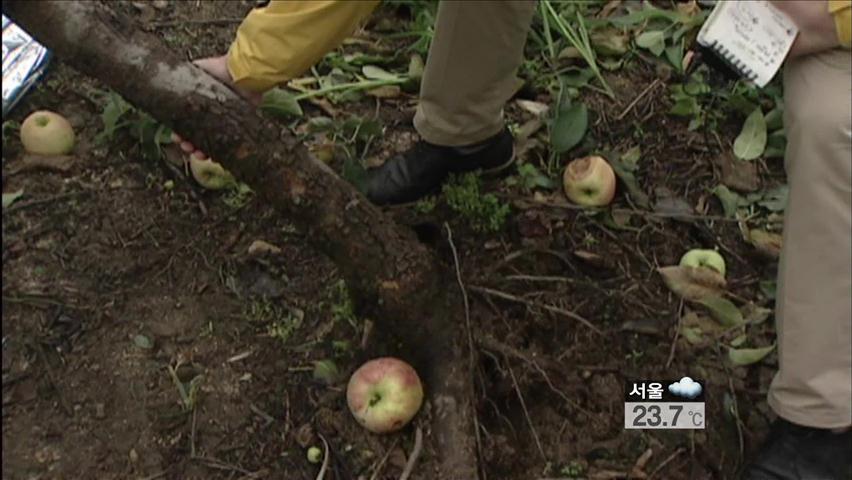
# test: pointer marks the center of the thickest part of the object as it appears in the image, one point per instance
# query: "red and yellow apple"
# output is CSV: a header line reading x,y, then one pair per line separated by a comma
x,y
384,394
47,133
589,181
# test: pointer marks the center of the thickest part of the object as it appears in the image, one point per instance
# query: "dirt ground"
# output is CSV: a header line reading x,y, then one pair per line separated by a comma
x,y
119,291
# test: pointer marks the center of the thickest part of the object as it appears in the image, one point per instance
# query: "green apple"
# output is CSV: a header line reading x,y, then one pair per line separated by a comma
x,y
47,133
589,181
384,394
209,174
314,455
704,258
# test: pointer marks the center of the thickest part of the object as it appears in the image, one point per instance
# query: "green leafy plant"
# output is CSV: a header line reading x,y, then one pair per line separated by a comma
x,y
529,178
577,36
485,212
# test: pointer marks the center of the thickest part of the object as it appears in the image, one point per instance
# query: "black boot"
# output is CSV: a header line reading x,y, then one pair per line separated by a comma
x,y
422,169
794,452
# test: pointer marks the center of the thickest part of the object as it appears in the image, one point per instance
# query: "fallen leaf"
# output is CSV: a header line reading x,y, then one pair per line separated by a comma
x,y
775,199
738,174
654,41
723,311
10,198
755,315
260,248
416,66
536,108
693,283
376,73
730,200
669,204
747,356
385,91
751,141
609,41
767,243
569,127
280,102
326,371
699,330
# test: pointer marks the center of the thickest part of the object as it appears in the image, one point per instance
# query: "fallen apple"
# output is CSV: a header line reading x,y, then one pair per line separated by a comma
x,y
47,133
384,394
704,258
314,455
209,174
589,181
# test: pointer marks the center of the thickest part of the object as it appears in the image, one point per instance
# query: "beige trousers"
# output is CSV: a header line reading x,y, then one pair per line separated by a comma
x,y
813,386
470,73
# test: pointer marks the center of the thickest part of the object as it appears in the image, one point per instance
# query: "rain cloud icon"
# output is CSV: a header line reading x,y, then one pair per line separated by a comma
x,y
685,387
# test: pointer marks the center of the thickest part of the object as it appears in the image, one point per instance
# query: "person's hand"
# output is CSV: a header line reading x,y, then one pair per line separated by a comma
x,y
817,31
217,67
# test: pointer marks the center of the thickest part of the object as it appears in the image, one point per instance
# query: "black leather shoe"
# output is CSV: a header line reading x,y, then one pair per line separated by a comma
x,y
794,452
422,169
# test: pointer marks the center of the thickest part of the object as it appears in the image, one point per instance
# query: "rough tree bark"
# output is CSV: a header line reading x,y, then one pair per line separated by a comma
x,y
394,278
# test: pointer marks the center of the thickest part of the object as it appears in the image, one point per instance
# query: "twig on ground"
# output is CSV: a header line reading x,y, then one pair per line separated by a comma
x,y
52,378
265,416
665,462
550,308
733,392
192,433
414,455
381,463
325,459
526,412
42,201
632,104
676,335
471,350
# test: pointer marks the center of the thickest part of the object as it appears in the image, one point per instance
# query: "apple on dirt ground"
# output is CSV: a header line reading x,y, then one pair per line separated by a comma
x,y
384,394
704,258
589,181
47,133
209,174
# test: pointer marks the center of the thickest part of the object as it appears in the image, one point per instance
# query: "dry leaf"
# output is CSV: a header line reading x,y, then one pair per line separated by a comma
x,y
536,108
767,243
259,248
693,283
386,91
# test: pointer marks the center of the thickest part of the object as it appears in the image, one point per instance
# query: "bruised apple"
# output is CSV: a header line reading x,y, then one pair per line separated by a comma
x,y
384,394
210,174
47,133
589,181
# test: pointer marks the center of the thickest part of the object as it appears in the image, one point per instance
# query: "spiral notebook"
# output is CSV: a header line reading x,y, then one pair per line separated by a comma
x,y
753,37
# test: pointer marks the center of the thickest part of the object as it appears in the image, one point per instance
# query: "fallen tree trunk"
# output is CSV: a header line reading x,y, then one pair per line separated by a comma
x,y
394,278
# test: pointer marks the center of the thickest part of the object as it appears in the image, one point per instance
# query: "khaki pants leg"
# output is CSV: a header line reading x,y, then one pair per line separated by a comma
x,y
813,386
470,73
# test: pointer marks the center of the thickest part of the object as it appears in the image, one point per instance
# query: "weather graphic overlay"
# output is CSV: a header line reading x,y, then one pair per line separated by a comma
x,y
658,404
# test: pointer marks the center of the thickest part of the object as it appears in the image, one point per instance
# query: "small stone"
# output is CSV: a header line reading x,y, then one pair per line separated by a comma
x,y
100,410
134,457
160,4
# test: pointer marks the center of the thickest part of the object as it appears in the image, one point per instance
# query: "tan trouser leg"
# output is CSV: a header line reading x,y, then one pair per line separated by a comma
x,y
813,386
470,73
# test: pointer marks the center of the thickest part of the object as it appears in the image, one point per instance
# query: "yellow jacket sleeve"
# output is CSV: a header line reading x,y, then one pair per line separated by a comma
x,y
286,38
842,11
